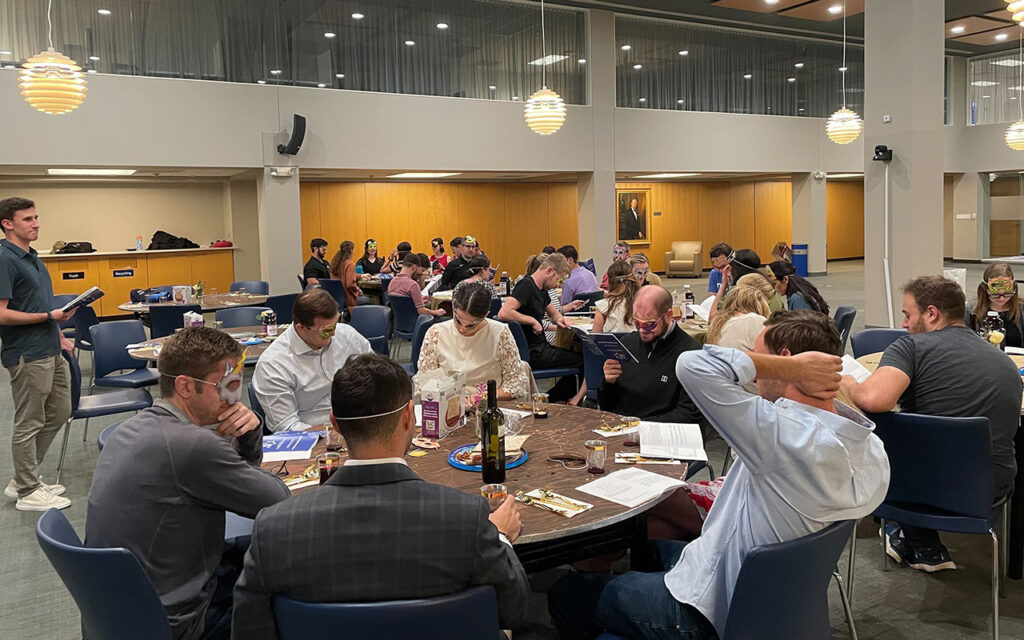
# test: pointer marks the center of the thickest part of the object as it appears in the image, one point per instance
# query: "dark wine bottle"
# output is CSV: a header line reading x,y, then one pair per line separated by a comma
x,y
492,437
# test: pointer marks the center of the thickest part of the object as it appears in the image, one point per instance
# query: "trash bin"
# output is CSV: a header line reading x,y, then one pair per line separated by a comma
x,y
800,259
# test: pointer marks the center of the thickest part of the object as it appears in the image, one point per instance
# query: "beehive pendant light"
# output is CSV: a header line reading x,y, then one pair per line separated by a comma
x,y
1014,136
50,81
1016,9
545,110
844,126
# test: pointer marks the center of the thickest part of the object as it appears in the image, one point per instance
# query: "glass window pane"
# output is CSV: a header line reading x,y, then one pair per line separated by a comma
x,y
994,89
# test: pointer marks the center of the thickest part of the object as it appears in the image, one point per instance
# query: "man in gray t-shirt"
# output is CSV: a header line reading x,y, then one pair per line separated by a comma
x,y
942,368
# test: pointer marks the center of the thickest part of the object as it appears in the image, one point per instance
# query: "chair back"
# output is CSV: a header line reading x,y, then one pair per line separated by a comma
x,y
113,593
472,613
84,319
254,404
423,323
371,320
302,282
282,306
106,433
495,307
520,338
782,588
59,301
240,316
593,371
259,287
868,341
109,340
844,322
405,314
76,379
939,462
336,289
590,298
163,320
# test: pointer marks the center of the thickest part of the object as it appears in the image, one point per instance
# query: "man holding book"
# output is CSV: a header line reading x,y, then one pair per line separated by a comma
x,y
32,342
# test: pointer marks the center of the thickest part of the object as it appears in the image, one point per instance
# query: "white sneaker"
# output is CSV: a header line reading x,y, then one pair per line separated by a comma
x,y
41,500
11,491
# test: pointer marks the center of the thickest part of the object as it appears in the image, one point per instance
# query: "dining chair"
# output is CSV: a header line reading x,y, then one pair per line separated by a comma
x,y
843,319
234,317
405,315
258,287
524,354
110,341
164,319
419,334
371,321
868,341
282,306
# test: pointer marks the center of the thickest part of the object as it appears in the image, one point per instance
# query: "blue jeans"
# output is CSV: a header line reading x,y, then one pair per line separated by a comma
x,y
633,605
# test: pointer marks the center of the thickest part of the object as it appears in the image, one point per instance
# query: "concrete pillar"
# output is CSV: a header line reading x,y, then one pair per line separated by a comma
x,y
970,216
809,220
596,199
241,199
280,227
903,65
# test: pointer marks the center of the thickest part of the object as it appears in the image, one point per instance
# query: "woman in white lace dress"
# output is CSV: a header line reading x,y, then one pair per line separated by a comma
x,y
473,344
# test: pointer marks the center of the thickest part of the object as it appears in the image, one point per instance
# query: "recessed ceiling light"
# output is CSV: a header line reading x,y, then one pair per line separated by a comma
x,y
654,176
771,1
548,59
5,53
684,52
958,29
643,99
983,83
747,76
1001,36
582,61
94,58
835,9
626,47
339,75
103,12
799,65
275,72
638,66
492,87
90,172
410,43
261,82
424,174
843,69
87,70
1008,62
790,79
329,34
442,25
357,16
321,85
800,109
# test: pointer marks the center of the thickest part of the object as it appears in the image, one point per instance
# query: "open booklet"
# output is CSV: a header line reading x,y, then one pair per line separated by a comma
x,y
853,368
605,344
630,487
702,310
672,440
87,298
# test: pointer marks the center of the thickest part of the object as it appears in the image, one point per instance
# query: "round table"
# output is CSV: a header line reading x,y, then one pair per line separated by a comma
x,y
213,302
151,350
547,539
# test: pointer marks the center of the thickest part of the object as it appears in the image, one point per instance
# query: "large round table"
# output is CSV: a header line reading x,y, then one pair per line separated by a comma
x,y
151,350
548,539
213,302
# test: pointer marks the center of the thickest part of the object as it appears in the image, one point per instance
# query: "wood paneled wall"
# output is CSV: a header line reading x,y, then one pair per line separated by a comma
x,y
845,221
511,221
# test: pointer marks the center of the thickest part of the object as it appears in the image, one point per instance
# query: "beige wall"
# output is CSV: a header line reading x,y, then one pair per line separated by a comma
x,y
110,215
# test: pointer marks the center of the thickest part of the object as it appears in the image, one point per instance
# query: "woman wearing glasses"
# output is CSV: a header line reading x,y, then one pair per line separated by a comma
x,y
473,344
998,292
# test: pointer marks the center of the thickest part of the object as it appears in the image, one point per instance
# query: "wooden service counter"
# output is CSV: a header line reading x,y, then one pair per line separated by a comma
x,y
118,272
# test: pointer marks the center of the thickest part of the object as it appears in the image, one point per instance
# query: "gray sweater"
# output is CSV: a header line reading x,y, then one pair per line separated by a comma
x,y
160,489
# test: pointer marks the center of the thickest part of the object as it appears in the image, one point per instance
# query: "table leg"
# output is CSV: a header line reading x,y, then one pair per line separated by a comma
x,y
641,557
1015,570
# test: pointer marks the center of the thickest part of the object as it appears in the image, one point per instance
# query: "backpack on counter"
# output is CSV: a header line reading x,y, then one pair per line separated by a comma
x,y
72,247
147,296
164,240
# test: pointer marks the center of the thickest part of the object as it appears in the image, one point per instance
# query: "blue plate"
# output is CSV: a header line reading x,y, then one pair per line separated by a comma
x,y
476,467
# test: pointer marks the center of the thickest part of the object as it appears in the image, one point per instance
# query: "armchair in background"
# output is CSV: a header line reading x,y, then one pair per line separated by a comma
x,y
684,259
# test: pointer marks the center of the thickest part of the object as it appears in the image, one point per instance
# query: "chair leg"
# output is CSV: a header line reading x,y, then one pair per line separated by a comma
x,y
851,563
85,431
847,606
885,556
63,449
725,460
995,585
1004,555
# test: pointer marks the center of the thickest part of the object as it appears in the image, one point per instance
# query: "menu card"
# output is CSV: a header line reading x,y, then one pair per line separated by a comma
x,y
672,440
630,487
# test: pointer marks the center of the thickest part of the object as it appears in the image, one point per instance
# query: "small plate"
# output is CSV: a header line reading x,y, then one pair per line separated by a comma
x,y
509,464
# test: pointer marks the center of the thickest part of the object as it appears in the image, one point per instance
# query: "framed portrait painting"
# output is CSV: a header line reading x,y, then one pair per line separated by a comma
x,y
633,215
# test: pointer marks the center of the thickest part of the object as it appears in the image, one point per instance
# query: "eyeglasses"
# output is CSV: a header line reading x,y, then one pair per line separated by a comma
x,y
1000,296
466,325
646,326
569,461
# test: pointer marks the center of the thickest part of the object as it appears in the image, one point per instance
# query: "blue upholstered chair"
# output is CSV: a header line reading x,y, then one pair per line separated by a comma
x,y
844,323
240,316
163,320
109,340
68,326
423,323
874,340
524,353
282,306
258,287
371,321
405,315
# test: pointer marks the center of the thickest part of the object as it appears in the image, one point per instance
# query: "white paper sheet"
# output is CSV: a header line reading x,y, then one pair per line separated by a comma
x,y
853,368
1014,351
630,487
699,310
672,440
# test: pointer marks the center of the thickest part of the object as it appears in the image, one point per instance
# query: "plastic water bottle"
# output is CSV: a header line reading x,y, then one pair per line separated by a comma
x,y
688,299
992,330
138,243
359,269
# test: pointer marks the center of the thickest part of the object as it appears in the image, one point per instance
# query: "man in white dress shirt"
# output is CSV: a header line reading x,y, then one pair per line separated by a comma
x,y
293,376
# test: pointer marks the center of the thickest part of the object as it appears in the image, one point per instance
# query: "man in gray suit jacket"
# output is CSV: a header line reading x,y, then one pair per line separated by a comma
x,y
376,531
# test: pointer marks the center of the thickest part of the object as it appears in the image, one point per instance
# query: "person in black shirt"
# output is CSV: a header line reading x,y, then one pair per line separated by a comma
x,y
649,389
458,269
527,305
317,267
370,262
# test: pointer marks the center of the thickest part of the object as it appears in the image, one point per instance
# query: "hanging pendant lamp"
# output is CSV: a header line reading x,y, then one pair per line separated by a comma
x,y
545,110
50,81
1016,7
1014,136
844,126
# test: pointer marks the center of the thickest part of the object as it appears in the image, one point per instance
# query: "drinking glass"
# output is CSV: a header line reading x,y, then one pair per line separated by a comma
x,y
495,494
513,423
540,405
327,464
631,439
596,453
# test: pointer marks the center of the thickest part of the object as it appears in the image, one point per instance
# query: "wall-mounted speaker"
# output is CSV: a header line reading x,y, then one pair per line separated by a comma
x,y
298,133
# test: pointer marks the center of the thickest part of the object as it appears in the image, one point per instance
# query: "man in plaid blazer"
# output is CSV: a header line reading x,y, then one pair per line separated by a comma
x,y
375,531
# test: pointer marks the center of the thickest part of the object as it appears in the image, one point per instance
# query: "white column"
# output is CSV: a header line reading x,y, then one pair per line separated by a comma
x,y
280,227
809,220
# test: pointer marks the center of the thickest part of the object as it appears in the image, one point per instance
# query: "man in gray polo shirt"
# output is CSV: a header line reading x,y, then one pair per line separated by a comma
x,y
30,333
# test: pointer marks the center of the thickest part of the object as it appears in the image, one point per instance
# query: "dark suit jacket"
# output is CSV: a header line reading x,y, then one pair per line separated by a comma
x,y
630,228
374,533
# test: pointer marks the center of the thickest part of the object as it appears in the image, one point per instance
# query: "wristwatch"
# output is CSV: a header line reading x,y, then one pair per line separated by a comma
x,y
49,315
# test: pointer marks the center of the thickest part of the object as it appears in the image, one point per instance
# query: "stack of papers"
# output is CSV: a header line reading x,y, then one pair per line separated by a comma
x,y
853,368
289,445
630,487
672,440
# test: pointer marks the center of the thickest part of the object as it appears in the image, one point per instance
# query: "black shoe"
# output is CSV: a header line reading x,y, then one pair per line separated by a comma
x,y
931,559
895,546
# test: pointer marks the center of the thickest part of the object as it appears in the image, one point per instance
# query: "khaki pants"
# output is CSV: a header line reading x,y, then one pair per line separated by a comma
x,y
42,404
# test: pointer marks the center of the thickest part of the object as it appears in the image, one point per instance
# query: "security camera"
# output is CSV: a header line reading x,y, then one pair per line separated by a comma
x,y
882,153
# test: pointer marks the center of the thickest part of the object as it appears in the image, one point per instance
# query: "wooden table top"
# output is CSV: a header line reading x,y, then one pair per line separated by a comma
x,y
563,432
254,353
213,302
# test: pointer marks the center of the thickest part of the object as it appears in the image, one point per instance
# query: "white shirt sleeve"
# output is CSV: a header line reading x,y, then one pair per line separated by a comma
x,y
276,393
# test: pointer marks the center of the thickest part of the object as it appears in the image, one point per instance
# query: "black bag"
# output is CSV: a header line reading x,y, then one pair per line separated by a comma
x,y
164,240
146,296
76,247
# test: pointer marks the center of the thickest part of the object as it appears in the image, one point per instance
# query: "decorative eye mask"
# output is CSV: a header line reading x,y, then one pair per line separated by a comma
x,y
1000,285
